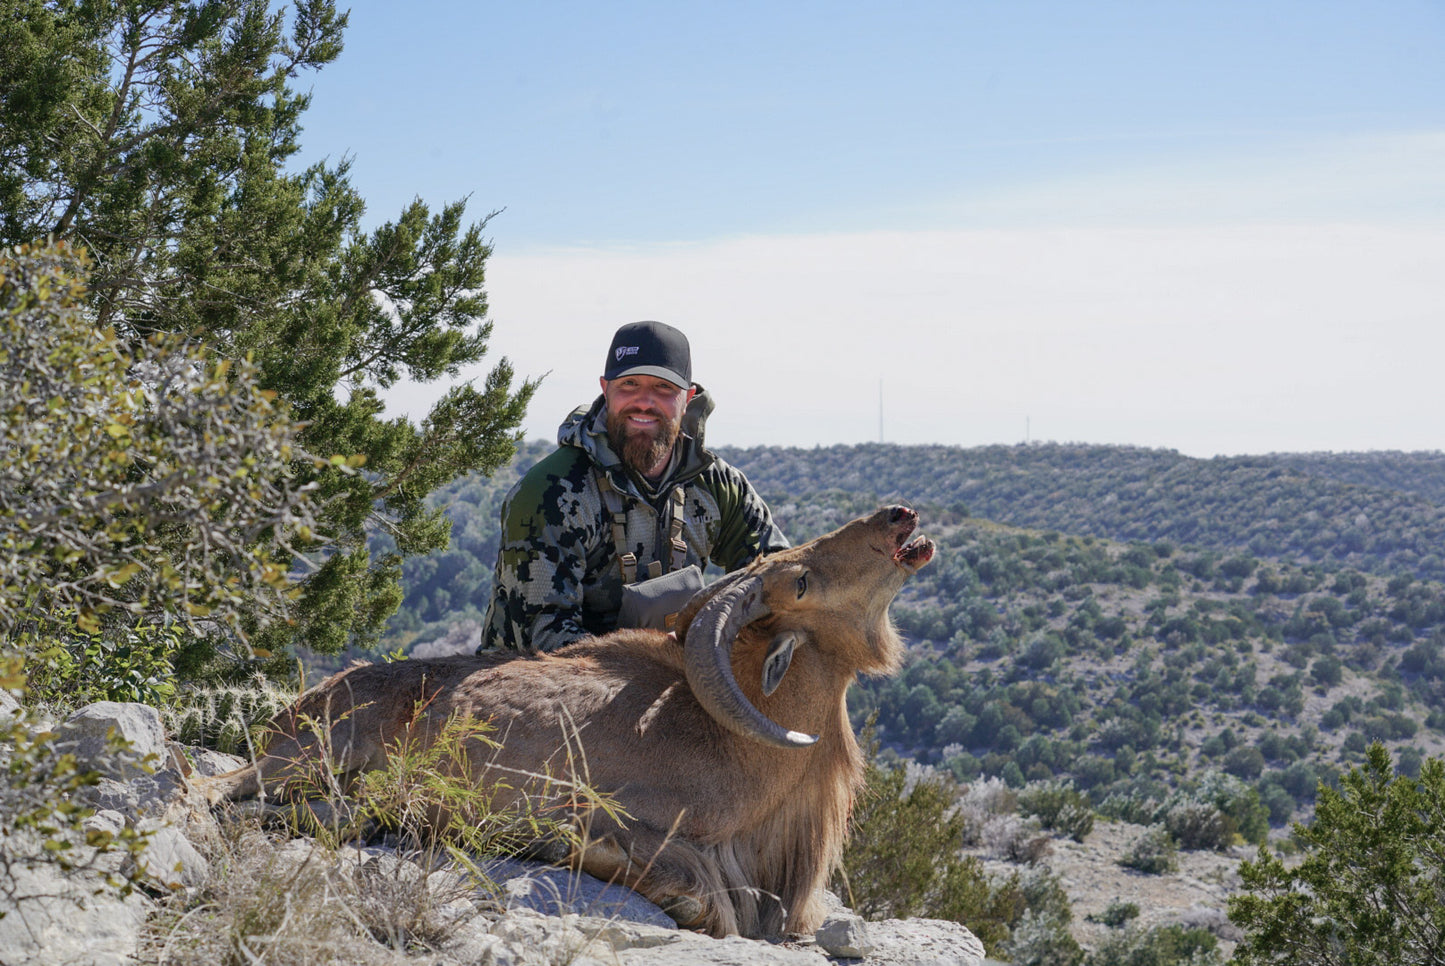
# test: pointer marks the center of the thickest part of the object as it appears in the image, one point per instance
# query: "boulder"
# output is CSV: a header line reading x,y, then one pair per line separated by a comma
x,y
87,733
922,942
58,919
844,934
169,860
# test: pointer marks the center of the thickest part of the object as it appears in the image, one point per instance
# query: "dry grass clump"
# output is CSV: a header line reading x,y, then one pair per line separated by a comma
x,y
326,900
272,899
268,901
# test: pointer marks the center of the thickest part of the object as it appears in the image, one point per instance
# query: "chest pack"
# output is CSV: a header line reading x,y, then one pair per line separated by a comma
x,y
655,600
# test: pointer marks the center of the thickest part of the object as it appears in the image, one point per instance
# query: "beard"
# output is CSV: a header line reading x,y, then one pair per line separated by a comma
x,y
642,449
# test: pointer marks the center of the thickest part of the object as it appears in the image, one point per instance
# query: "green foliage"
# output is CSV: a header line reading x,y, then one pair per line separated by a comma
x,y
1196,825
1154,852
1058,806
146,483
903,859
135,663
1239,805
1369,888
1159,946
163,137
1118,913
42,817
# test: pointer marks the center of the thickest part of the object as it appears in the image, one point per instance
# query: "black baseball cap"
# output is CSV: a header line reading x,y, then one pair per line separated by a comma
x,y
650,349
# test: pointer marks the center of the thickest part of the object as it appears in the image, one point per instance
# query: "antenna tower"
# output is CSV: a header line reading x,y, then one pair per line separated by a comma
x,y
880,411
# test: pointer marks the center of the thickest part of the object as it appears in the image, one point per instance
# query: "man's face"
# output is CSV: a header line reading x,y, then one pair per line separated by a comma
x,y
644,416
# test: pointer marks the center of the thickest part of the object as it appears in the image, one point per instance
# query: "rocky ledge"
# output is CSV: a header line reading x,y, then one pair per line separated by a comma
x,y
540,915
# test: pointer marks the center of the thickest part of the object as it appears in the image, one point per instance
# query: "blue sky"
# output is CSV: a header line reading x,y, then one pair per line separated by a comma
x,y
1213,227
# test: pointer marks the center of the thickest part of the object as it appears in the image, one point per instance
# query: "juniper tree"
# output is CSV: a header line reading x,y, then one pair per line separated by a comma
x,y
1370,890
161,137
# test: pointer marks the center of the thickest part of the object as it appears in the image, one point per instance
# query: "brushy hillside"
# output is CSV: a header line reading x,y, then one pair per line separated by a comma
x,y
1136,670
1135,621
1384,513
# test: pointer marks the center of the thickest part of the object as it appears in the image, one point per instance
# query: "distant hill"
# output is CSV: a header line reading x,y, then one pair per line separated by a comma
x,y
1420,474
1383,513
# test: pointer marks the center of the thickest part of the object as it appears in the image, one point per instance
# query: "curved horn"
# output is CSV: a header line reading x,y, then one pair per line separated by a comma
x,y
694,606
708,658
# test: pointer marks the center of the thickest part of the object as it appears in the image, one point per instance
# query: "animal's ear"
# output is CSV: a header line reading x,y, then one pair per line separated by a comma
x,y
775,664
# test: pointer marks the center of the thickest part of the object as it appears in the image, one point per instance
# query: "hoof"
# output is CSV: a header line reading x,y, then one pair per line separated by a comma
x,y
686,911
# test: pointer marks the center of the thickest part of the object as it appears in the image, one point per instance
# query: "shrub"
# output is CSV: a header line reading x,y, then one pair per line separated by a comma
x,y
1014,839
1059,807
1042,939
903,856
1279,802
1133,807
1327,671
135,663
1196,825
1118,913
1244,762
980,802
153,482
1171,945
1153,853
1244,814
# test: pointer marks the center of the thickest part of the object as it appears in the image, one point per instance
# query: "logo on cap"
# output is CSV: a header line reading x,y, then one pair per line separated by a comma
x,y
623,351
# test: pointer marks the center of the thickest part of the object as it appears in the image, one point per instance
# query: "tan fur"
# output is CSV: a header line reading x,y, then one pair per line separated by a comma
x,y
739,832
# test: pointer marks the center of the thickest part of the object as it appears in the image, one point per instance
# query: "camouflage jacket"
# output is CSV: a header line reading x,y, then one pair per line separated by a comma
x,y
558,577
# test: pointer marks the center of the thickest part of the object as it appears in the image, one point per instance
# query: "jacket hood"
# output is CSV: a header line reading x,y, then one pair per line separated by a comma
x,y
586,429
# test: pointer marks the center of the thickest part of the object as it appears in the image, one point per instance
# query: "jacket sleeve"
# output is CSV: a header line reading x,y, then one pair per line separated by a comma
x,y
536,602
746,529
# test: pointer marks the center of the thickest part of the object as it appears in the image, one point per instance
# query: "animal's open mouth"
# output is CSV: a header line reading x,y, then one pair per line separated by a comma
x,y
914,554
909,554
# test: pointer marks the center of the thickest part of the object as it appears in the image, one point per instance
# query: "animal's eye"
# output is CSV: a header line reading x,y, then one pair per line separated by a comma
x,y
802,585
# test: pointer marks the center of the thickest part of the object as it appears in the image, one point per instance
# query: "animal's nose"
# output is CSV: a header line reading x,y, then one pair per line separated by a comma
x,y
901,514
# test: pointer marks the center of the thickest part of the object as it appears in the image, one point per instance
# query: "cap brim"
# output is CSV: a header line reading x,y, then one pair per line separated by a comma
x,y
660,372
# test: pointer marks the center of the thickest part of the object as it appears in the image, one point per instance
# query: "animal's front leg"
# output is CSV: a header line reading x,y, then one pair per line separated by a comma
x,y
681,880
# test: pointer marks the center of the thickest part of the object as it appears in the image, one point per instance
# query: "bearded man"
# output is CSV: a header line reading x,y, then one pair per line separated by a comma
x,y
630,495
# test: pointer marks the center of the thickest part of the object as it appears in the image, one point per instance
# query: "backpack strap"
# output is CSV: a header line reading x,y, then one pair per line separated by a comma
x,y
618,514
679,546
677,500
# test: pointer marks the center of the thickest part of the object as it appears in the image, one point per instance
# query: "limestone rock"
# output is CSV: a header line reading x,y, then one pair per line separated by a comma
x,y
85,733
844,934
169,860
105,820
923,942
54,919
208,763
137,796
696,950
552,891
